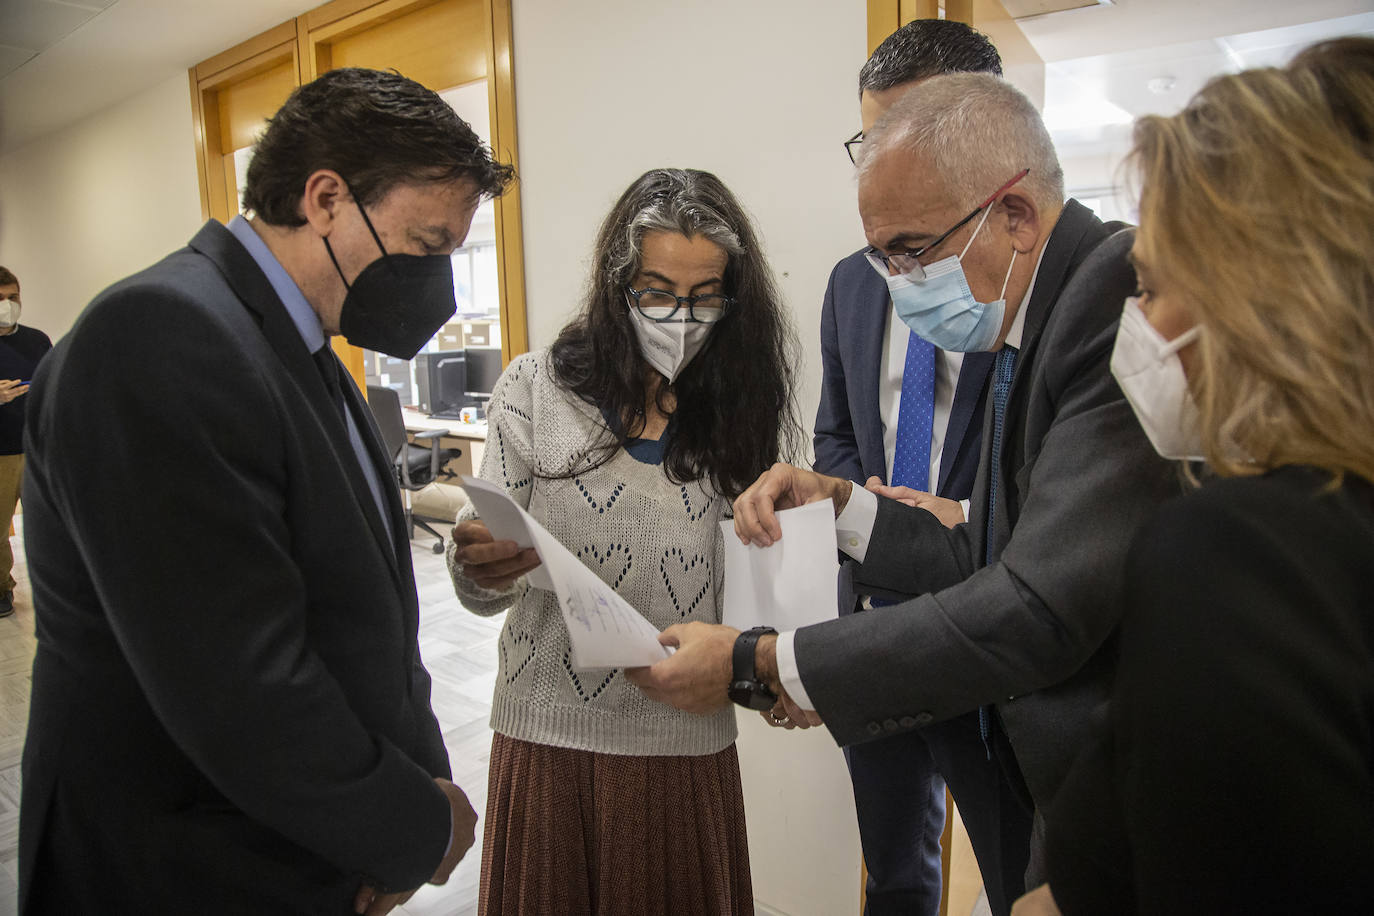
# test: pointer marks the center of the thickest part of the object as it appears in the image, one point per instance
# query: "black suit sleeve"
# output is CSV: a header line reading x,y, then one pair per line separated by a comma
x,y
192,560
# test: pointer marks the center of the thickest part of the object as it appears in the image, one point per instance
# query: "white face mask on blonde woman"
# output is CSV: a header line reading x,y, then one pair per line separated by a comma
x,y
1148,369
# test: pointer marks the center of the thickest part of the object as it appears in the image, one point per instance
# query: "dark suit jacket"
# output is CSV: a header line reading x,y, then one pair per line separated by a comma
x,y
849,426
1029,632
1239,773
229,710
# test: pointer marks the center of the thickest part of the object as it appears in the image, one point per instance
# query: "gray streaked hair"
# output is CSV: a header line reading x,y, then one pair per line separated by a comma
x,y
684,201
978,131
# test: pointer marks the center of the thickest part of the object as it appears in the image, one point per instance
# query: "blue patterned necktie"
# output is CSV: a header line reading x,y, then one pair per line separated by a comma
x,y
1003,369
915,417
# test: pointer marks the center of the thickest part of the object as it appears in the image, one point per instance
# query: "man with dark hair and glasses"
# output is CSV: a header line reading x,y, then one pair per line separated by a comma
x,y
229,711
1000,649
895,409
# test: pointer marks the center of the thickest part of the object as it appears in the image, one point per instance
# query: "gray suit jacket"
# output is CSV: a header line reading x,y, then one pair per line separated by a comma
x,y
1030,632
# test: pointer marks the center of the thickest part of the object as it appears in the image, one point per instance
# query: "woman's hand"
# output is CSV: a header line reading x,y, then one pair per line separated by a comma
x,y
490,563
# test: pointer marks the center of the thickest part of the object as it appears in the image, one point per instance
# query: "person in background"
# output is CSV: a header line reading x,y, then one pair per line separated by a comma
x,y
627,439
1238,775
21,348
897,410
230,713
1011,614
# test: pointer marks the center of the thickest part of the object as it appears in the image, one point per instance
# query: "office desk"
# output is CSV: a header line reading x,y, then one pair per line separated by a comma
x,y
470,437
442,500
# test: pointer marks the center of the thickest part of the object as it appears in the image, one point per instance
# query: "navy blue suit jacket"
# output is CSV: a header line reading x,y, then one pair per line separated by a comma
x,y
849,427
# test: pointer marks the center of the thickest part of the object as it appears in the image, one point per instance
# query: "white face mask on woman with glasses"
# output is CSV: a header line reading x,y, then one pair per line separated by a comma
x,y
669,345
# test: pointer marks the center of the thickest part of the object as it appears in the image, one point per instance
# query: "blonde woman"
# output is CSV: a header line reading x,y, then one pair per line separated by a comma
x,y
1240,774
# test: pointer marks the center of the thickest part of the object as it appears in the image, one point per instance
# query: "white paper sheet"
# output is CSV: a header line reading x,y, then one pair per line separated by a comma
x,y
790,584
604,630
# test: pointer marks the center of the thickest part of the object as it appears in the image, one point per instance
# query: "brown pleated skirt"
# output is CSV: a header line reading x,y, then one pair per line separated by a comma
x,y
577,833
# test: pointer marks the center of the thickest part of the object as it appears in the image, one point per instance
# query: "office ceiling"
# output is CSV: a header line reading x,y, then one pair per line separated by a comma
x,y
64,60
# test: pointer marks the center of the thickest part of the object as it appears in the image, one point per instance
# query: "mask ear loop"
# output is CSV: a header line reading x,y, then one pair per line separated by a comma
x,y
987,211
375,237
1178,343
1007,278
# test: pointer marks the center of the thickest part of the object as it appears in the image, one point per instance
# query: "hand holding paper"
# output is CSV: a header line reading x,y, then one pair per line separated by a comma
x,y
790,584
603,629
490,563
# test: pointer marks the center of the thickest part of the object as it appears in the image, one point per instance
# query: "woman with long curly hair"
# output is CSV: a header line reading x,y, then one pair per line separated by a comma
x,y
667,395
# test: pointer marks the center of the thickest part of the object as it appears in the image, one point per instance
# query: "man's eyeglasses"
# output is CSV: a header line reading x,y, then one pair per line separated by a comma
x,y
661,305
852,144
907,262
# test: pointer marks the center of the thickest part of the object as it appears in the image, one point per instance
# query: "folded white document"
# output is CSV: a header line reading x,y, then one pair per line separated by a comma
x,y
790,584
604,630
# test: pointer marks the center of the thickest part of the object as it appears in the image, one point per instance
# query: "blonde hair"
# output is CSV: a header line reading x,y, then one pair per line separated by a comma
x,y
1257,205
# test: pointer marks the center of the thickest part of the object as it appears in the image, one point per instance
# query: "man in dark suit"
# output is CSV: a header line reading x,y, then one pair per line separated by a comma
x,y
869,430
1015,608
229,710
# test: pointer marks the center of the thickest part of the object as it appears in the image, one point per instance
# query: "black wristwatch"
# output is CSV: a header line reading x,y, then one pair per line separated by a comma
x,y
745,687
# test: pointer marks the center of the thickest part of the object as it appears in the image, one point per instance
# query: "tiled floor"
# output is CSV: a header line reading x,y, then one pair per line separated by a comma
x,y
459,649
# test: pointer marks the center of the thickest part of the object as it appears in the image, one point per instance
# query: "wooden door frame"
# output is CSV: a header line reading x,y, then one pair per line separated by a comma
x,y
300,39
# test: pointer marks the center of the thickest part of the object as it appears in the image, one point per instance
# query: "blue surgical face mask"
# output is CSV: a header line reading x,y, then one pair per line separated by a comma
x,y
936,303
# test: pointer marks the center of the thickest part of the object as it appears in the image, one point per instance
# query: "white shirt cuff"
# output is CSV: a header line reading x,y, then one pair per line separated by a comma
x,y
786,658
854,526
964,504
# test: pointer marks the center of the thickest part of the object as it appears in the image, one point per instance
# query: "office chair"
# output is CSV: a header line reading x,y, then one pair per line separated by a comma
x,y
416,467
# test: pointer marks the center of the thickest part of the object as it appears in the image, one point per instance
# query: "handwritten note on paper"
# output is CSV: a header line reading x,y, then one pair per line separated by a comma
x,y
603,629
790,584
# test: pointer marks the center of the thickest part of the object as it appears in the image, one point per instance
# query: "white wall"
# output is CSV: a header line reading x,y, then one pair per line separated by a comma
x,y
96,201
763,94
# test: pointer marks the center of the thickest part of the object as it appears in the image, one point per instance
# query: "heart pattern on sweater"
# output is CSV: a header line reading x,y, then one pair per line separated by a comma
x,y
600,507
601,562
521,643
677,559
693,514
583,691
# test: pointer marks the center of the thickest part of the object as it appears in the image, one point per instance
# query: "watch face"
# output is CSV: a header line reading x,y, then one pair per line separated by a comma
x,y
751,695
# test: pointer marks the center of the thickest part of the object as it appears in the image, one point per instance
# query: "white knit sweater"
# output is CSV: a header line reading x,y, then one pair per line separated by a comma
x,y
656,542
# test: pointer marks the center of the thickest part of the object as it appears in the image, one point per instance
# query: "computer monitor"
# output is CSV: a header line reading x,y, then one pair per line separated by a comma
x,y
442,380
484,368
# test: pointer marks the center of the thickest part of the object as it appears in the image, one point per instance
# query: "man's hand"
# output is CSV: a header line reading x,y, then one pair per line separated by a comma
x,y
490,563
787,714
464,830
948,511
782,487
10,388
367,902
1039,902
696,677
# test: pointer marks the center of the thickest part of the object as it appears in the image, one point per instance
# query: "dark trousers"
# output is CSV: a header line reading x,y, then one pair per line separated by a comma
x,y
993,803
900,801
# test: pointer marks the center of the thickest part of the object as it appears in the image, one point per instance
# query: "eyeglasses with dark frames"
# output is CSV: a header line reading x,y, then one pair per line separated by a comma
x,y
661,305
852,144
907,262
